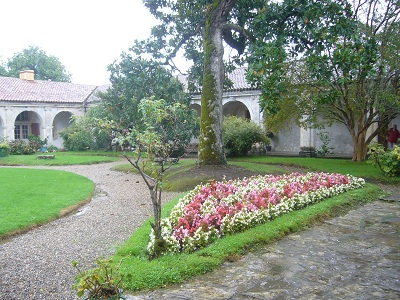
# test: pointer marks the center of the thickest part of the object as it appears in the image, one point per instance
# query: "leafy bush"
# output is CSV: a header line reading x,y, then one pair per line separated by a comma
x,y
325,148
35,142
52,148
21,147
78,136
102,282
240,135
387,161
4,149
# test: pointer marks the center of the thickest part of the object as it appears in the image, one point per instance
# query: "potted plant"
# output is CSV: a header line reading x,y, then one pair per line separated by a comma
x,y
4,149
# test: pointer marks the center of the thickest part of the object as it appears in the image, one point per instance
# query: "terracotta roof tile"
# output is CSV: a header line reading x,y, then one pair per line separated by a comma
x,y
15,89
237,76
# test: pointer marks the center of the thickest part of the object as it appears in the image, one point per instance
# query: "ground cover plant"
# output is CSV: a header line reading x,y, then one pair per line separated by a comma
x,y
31,197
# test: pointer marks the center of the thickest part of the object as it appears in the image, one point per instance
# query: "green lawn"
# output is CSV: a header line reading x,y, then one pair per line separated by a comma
x,y
343,166
61,158
31,197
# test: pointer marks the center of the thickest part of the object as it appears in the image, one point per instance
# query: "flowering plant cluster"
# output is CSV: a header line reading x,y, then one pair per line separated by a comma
x,y
211,211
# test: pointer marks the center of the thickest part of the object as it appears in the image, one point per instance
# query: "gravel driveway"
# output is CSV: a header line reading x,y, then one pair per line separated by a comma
x,y
37,265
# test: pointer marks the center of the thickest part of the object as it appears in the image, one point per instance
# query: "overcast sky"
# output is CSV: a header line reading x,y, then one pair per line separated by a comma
x,y
86,35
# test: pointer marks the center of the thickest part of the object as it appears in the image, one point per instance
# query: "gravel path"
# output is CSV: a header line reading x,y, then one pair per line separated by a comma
x,y
37,265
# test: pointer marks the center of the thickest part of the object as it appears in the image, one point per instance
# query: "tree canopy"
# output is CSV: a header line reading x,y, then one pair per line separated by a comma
x,y
327,38
46,67
349,75
134,78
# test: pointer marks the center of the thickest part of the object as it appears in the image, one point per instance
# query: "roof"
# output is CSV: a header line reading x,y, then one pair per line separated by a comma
x,y
237,76
22,90
16,89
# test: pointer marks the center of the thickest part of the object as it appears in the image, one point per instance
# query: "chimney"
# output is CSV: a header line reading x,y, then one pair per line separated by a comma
x,y
27,75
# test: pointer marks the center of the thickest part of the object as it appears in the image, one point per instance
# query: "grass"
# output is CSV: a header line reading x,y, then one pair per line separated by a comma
x,y
61,159
175,181
173,269
32,197
343,166
169,269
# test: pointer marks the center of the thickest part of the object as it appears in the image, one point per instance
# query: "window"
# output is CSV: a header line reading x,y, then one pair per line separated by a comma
x,y
21,132
23,116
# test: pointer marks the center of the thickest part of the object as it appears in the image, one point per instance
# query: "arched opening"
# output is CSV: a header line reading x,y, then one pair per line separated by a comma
x,y
61,120
197,108
27,123
236,108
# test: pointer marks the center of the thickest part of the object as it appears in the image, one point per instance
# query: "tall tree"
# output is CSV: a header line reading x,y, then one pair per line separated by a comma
x,y
134,78
46,67
201,27
350,76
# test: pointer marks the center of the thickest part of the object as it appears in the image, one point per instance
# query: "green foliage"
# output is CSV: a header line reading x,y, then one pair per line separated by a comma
x,y
330,60
35,142
325,148
387,161
133,79
46,67
21,147
5,145
52,148
165,127
78,136
102,282
4,149
241,134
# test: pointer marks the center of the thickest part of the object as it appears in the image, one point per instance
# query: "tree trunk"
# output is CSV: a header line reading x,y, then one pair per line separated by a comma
x,y
360,147
211,144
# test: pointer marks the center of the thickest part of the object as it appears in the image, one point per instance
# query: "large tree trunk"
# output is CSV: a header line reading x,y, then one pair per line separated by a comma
x,y
359,147
211,144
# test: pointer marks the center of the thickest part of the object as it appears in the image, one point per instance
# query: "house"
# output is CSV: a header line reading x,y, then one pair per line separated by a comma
x,y
243,100
43,108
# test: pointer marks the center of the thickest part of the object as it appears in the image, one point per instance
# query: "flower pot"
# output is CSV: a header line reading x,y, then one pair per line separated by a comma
x,y
4,152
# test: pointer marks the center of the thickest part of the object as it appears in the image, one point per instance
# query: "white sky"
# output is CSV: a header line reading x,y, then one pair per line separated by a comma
x,y
86,35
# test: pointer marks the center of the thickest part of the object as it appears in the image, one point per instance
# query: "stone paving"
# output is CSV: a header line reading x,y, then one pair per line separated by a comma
x,y
355,256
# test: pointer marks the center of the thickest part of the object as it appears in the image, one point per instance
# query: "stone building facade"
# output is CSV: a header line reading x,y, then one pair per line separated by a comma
x,y
44,108
40,108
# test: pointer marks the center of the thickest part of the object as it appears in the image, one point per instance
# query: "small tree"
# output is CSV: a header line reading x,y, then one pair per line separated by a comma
x,y
167,127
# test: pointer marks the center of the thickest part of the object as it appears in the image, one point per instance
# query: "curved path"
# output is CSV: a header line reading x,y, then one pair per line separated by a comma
x,y
351,257
37,265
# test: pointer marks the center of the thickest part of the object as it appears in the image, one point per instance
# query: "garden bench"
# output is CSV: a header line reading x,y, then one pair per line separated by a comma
x,y
46,156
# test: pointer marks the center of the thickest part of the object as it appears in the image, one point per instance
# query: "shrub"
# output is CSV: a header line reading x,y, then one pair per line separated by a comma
x,y
387,161
52,148
35,142
21,147
240,135
77,137
102,282
325,148
4,149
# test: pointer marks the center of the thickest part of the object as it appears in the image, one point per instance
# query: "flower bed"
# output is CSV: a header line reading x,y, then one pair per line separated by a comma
x,y
211,211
